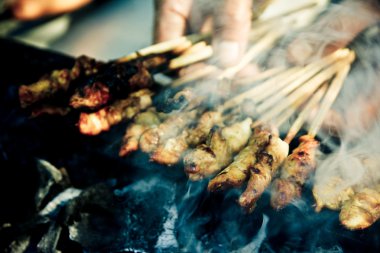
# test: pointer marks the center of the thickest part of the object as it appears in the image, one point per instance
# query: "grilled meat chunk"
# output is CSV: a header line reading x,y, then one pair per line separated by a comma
x,y
142,122
268,160
362,210
208,159
199,134
116,81
171,127
171,151
331,194
238,171
102,120
57,80
295,171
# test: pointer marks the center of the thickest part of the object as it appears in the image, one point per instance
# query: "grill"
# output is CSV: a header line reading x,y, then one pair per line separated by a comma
x,y
103,203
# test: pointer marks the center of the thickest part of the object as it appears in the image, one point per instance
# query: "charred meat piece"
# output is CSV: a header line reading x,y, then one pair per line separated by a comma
x,y
142,122
296,170
57,80
238,171
171,127
102,120
116,81
362,210
208,159
268,160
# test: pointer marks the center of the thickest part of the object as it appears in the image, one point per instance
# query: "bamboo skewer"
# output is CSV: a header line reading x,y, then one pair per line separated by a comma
x,y
260,76
195,75
255,91
298,123
297,75
311,85
330,97
164,47
188,59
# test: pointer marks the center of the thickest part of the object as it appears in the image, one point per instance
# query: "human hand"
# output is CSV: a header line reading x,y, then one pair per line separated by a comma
x,y
229,21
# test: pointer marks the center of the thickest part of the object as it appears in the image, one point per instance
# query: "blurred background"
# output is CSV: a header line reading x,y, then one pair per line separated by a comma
x,y
105,29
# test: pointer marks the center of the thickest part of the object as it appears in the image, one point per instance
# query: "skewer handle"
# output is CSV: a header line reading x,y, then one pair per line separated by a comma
x,y
298,123
164,47
189,59
330,97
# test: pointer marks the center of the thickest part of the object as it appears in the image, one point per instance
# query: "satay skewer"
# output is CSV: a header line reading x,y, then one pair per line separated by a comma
x,y
102,120
236,173
301,163
284,190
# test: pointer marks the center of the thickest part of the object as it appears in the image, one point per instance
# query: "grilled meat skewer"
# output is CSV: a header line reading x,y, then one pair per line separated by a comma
x,y
268,160
57,80
116,81
102,120
171,127
171,151
238,171
296,169
208,159
142,122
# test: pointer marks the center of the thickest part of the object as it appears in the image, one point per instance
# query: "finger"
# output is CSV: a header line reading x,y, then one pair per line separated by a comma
x,y
171,18
232,23
33,9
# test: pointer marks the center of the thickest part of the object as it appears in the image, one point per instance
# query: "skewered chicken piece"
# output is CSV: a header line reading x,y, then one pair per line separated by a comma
x,y
362,210
57,80
238,171
171,151
118,80
331,194
199,134
268,161
102,120
208,159
171,127
296,169
142,122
